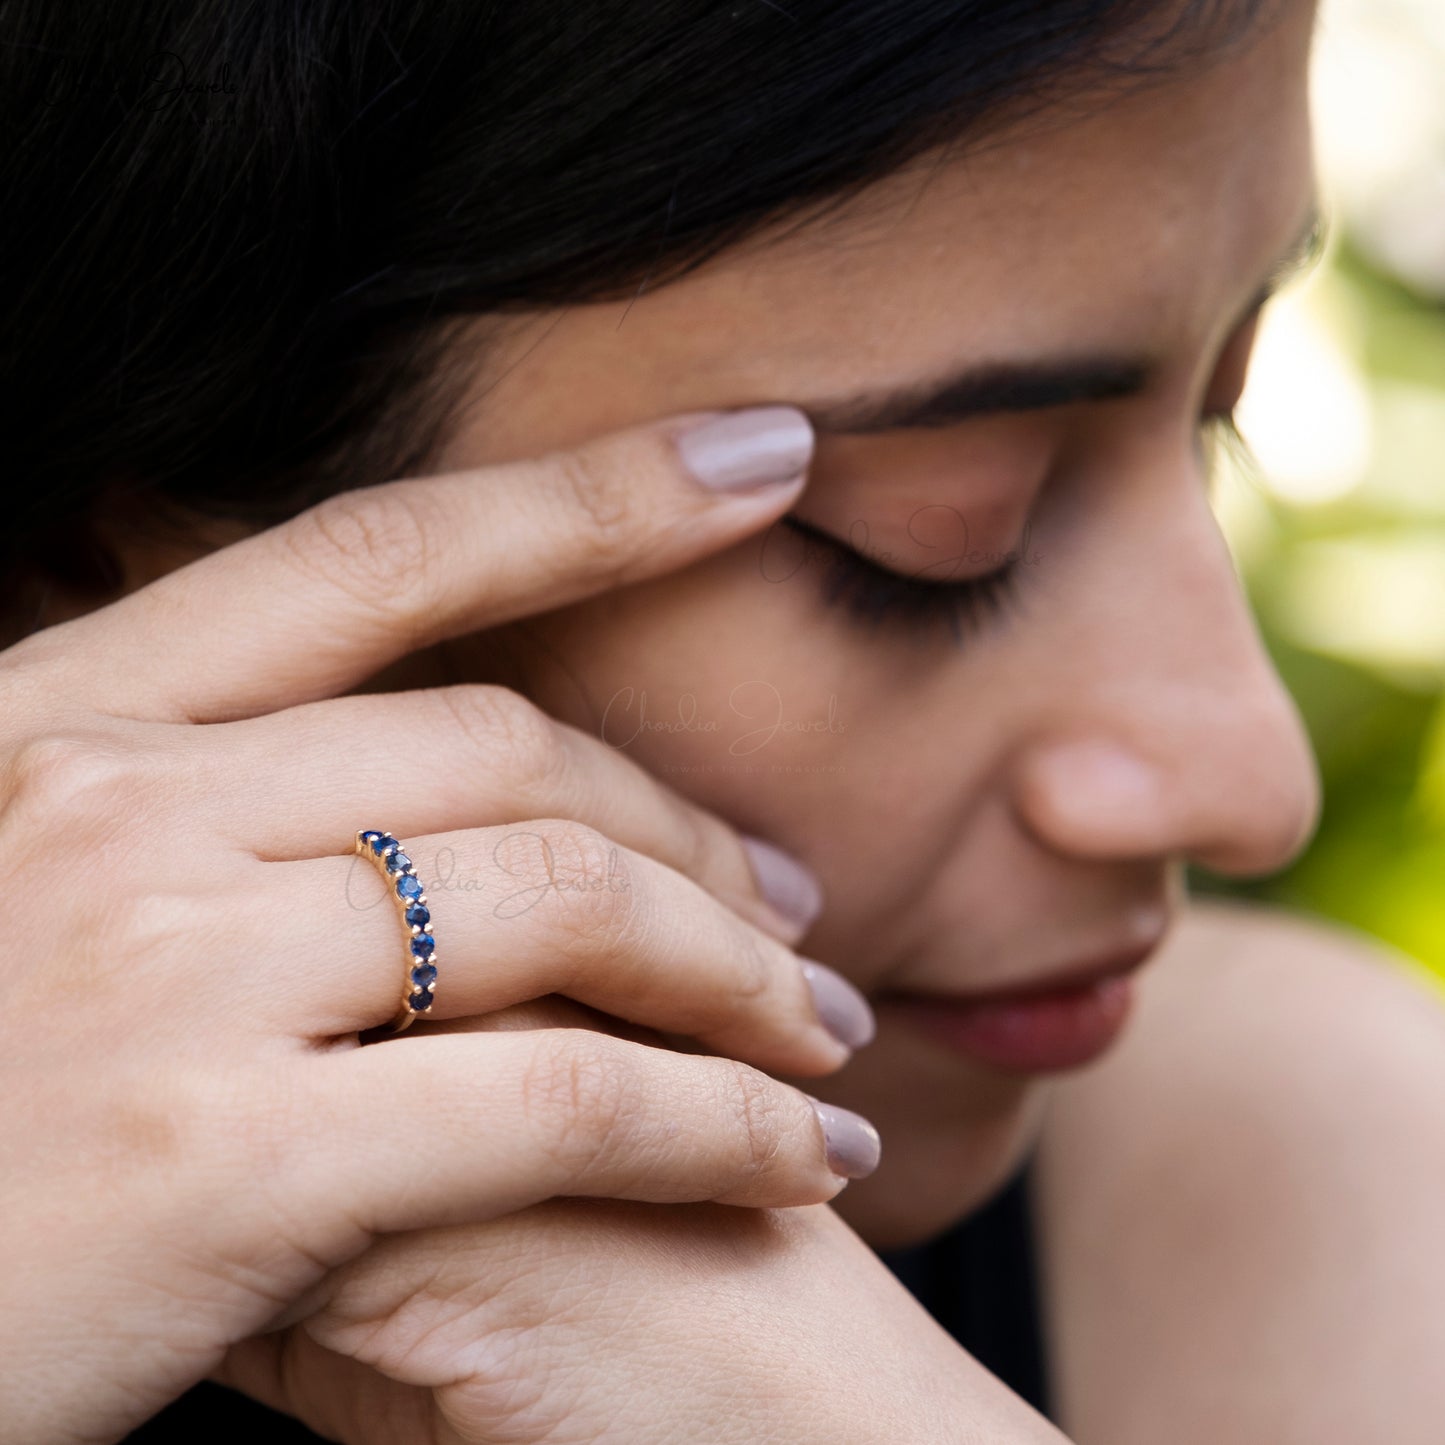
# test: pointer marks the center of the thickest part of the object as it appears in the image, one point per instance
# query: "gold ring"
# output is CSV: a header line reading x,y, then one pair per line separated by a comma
x,y
410,896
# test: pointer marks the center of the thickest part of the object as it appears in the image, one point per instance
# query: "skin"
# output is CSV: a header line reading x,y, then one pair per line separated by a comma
x,y
1022,835
1238,1207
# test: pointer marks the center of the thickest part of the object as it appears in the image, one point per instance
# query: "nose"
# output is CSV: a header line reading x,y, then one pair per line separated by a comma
x,y
1169,732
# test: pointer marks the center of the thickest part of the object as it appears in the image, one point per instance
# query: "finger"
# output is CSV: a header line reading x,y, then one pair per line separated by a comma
x,y
427,1131
334,1395
302,781
548,906
312,607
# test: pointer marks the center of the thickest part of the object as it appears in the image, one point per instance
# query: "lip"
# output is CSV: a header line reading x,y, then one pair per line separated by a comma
x,y
1097,966
1055,1021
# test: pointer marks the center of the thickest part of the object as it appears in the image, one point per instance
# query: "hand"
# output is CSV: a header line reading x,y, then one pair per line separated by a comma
x,y
195,1135
629,1324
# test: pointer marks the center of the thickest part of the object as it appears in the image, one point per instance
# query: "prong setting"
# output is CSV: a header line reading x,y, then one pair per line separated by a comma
x,y
409,893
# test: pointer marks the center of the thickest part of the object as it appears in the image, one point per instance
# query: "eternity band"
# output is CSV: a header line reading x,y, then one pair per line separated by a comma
x,y
410,897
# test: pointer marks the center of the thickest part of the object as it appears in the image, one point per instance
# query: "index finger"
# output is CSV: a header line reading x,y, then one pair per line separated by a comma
x,y
309,608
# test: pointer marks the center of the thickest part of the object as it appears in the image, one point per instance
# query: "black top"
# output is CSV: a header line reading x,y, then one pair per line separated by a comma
x,y
977,1280
980,1282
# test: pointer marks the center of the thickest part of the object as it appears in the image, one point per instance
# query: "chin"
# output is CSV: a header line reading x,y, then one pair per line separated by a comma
x,y
929,1180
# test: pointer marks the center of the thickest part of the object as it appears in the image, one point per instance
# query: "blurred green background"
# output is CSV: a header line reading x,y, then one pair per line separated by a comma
x,y
1338,522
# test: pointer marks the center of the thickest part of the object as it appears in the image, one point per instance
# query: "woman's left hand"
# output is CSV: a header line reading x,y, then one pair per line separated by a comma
x,y
630,1324
611,1321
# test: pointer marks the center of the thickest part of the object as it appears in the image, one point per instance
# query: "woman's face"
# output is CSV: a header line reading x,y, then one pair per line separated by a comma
x,y
987,811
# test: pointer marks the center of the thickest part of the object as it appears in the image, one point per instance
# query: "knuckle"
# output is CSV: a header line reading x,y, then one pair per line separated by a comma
x,y
30,677
373,543
701,837
755,966
58,780
610,920
126,945
149,923
262,1141
270,1132
590,893
574,1096
743,977
605,498
752,1099
510,731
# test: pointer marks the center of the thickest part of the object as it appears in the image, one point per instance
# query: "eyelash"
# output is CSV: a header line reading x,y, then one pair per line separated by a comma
x,y
874,594
1219,432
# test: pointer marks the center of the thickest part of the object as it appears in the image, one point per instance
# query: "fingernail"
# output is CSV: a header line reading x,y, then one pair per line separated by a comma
x,y
854,1147
790,887
748,448
844,1011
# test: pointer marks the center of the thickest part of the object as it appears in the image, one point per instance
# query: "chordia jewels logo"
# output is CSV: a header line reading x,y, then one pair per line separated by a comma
x,y
628,716
165,83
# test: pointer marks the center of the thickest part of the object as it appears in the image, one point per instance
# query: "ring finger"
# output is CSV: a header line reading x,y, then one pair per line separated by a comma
x,y
554,906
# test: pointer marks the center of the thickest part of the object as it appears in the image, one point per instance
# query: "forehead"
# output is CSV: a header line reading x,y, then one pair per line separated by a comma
x,y
1140,221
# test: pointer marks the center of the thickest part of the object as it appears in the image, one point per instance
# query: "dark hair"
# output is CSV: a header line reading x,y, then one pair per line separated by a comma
x,y
238,233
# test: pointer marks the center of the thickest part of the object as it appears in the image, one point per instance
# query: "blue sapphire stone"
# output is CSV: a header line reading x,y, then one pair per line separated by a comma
x,y
424,974
381,842
420,1002
369,836
408,886
398,862
419,914
423,945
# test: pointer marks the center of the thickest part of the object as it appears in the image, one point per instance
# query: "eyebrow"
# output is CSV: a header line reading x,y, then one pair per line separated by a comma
x,y
990,388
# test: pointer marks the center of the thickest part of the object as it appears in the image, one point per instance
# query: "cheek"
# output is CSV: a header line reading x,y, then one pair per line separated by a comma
x,y
721,681
744,692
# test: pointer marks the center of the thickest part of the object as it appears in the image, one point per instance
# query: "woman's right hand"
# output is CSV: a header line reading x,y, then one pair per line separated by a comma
x,y
195,1134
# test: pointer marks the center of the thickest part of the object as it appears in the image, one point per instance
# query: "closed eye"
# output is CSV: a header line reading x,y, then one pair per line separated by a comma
x,y
879,597
876,596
